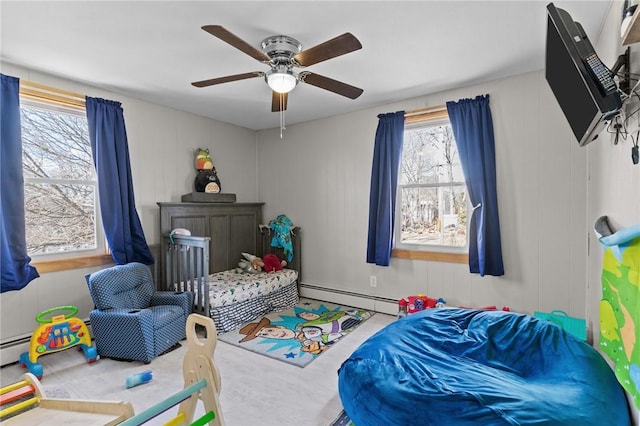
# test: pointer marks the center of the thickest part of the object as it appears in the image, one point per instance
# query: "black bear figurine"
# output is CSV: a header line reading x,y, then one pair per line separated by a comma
x,y
207,181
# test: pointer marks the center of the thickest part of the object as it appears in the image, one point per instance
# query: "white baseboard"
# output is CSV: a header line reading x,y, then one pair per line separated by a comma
x,y
373,303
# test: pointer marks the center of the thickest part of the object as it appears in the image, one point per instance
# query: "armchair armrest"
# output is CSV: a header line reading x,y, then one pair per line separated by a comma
x,y
126,317
182,299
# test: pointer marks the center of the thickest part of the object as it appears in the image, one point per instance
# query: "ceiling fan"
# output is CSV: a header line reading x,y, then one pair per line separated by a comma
x,y
282,54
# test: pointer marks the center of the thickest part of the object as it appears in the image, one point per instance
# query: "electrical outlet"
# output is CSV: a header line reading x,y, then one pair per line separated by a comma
x,y
373,281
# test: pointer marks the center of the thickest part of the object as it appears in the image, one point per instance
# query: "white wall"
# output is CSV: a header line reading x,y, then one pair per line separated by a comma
x,y
319,176
162,142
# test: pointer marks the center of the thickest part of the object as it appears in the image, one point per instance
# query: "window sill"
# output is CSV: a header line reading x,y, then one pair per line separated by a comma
x,y
430,255
45,266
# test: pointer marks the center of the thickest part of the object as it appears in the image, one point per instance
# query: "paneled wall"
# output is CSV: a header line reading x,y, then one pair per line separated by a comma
x,y
161,146
322,183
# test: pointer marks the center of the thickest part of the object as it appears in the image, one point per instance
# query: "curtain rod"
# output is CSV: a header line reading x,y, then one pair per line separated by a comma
x,y
437,108
39,91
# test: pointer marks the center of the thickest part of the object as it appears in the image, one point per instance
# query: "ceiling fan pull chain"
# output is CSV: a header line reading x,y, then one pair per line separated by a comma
x,y
282,127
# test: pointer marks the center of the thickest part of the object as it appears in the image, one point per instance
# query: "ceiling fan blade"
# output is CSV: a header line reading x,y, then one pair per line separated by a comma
x,y
330,84
279,101
337,46
227,79
235,41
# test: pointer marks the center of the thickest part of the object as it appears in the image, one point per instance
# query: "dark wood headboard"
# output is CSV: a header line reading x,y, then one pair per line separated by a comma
x,y
232,227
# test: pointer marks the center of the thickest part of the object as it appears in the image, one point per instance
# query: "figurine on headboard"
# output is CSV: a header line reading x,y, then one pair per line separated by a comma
x,y
207,178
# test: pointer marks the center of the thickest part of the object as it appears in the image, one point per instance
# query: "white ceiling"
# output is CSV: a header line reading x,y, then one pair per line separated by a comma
x,y
154,50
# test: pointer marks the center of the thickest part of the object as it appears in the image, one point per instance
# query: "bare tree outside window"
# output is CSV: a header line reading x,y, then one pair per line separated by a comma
x,y
432,190
60,185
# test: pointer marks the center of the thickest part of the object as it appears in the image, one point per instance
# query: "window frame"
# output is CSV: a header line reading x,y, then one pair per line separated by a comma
x,y
439,253
52,99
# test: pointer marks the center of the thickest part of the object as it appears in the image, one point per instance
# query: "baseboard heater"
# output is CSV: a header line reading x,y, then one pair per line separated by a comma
x,y
10,351
365,301
16,341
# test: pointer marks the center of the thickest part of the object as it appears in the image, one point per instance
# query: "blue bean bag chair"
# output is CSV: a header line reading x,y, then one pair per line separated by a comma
x,y
471,367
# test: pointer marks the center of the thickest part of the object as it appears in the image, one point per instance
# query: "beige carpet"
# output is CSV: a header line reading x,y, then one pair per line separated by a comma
x,y
256,390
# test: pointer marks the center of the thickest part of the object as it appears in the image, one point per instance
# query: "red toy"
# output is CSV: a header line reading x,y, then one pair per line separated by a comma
x,y
419,303
272,263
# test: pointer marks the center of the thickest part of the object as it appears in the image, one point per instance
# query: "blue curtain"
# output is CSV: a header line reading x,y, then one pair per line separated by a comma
x,y
16,271
384,182
473,130
115,185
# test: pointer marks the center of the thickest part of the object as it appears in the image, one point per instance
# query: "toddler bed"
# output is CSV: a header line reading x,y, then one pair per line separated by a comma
x,y
230,298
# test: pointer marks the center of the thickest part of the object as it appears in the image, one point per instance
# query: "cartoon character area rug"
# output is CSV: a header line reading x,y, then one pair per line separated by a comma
x,y
300,334
342,420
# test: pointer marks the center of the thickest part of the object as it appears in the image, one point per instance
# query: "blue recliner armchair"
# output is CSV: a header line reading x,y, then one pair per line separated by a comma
x,y
131,320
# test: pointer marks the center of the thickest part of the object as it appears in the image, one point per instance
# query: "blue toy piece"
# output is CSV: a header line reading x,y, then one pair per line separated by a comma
x,y
55,334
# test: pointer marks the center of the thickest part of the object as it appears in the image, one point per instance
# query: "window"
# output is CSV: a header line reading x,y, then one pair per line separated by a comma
x,y
432,206
60,189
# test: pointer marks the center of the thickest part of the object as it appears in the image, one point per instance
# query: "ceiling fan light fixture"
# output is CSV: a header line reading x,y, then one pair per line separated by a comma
x,y
282,54
281,81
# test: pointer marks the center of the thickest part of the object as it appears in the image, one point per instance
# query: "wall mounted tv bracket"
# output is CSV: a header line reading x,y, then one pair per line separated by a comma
x,y
624,83
623,62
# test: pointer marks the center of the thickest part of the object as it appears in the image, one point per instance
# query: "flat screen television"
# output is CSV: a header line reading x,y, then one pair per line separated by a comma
x,y
581,83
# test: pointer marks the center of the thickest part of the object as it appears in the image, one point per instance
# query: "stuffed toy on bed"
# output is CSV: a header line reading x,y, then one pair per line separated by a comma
x,y
250,263
273,263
